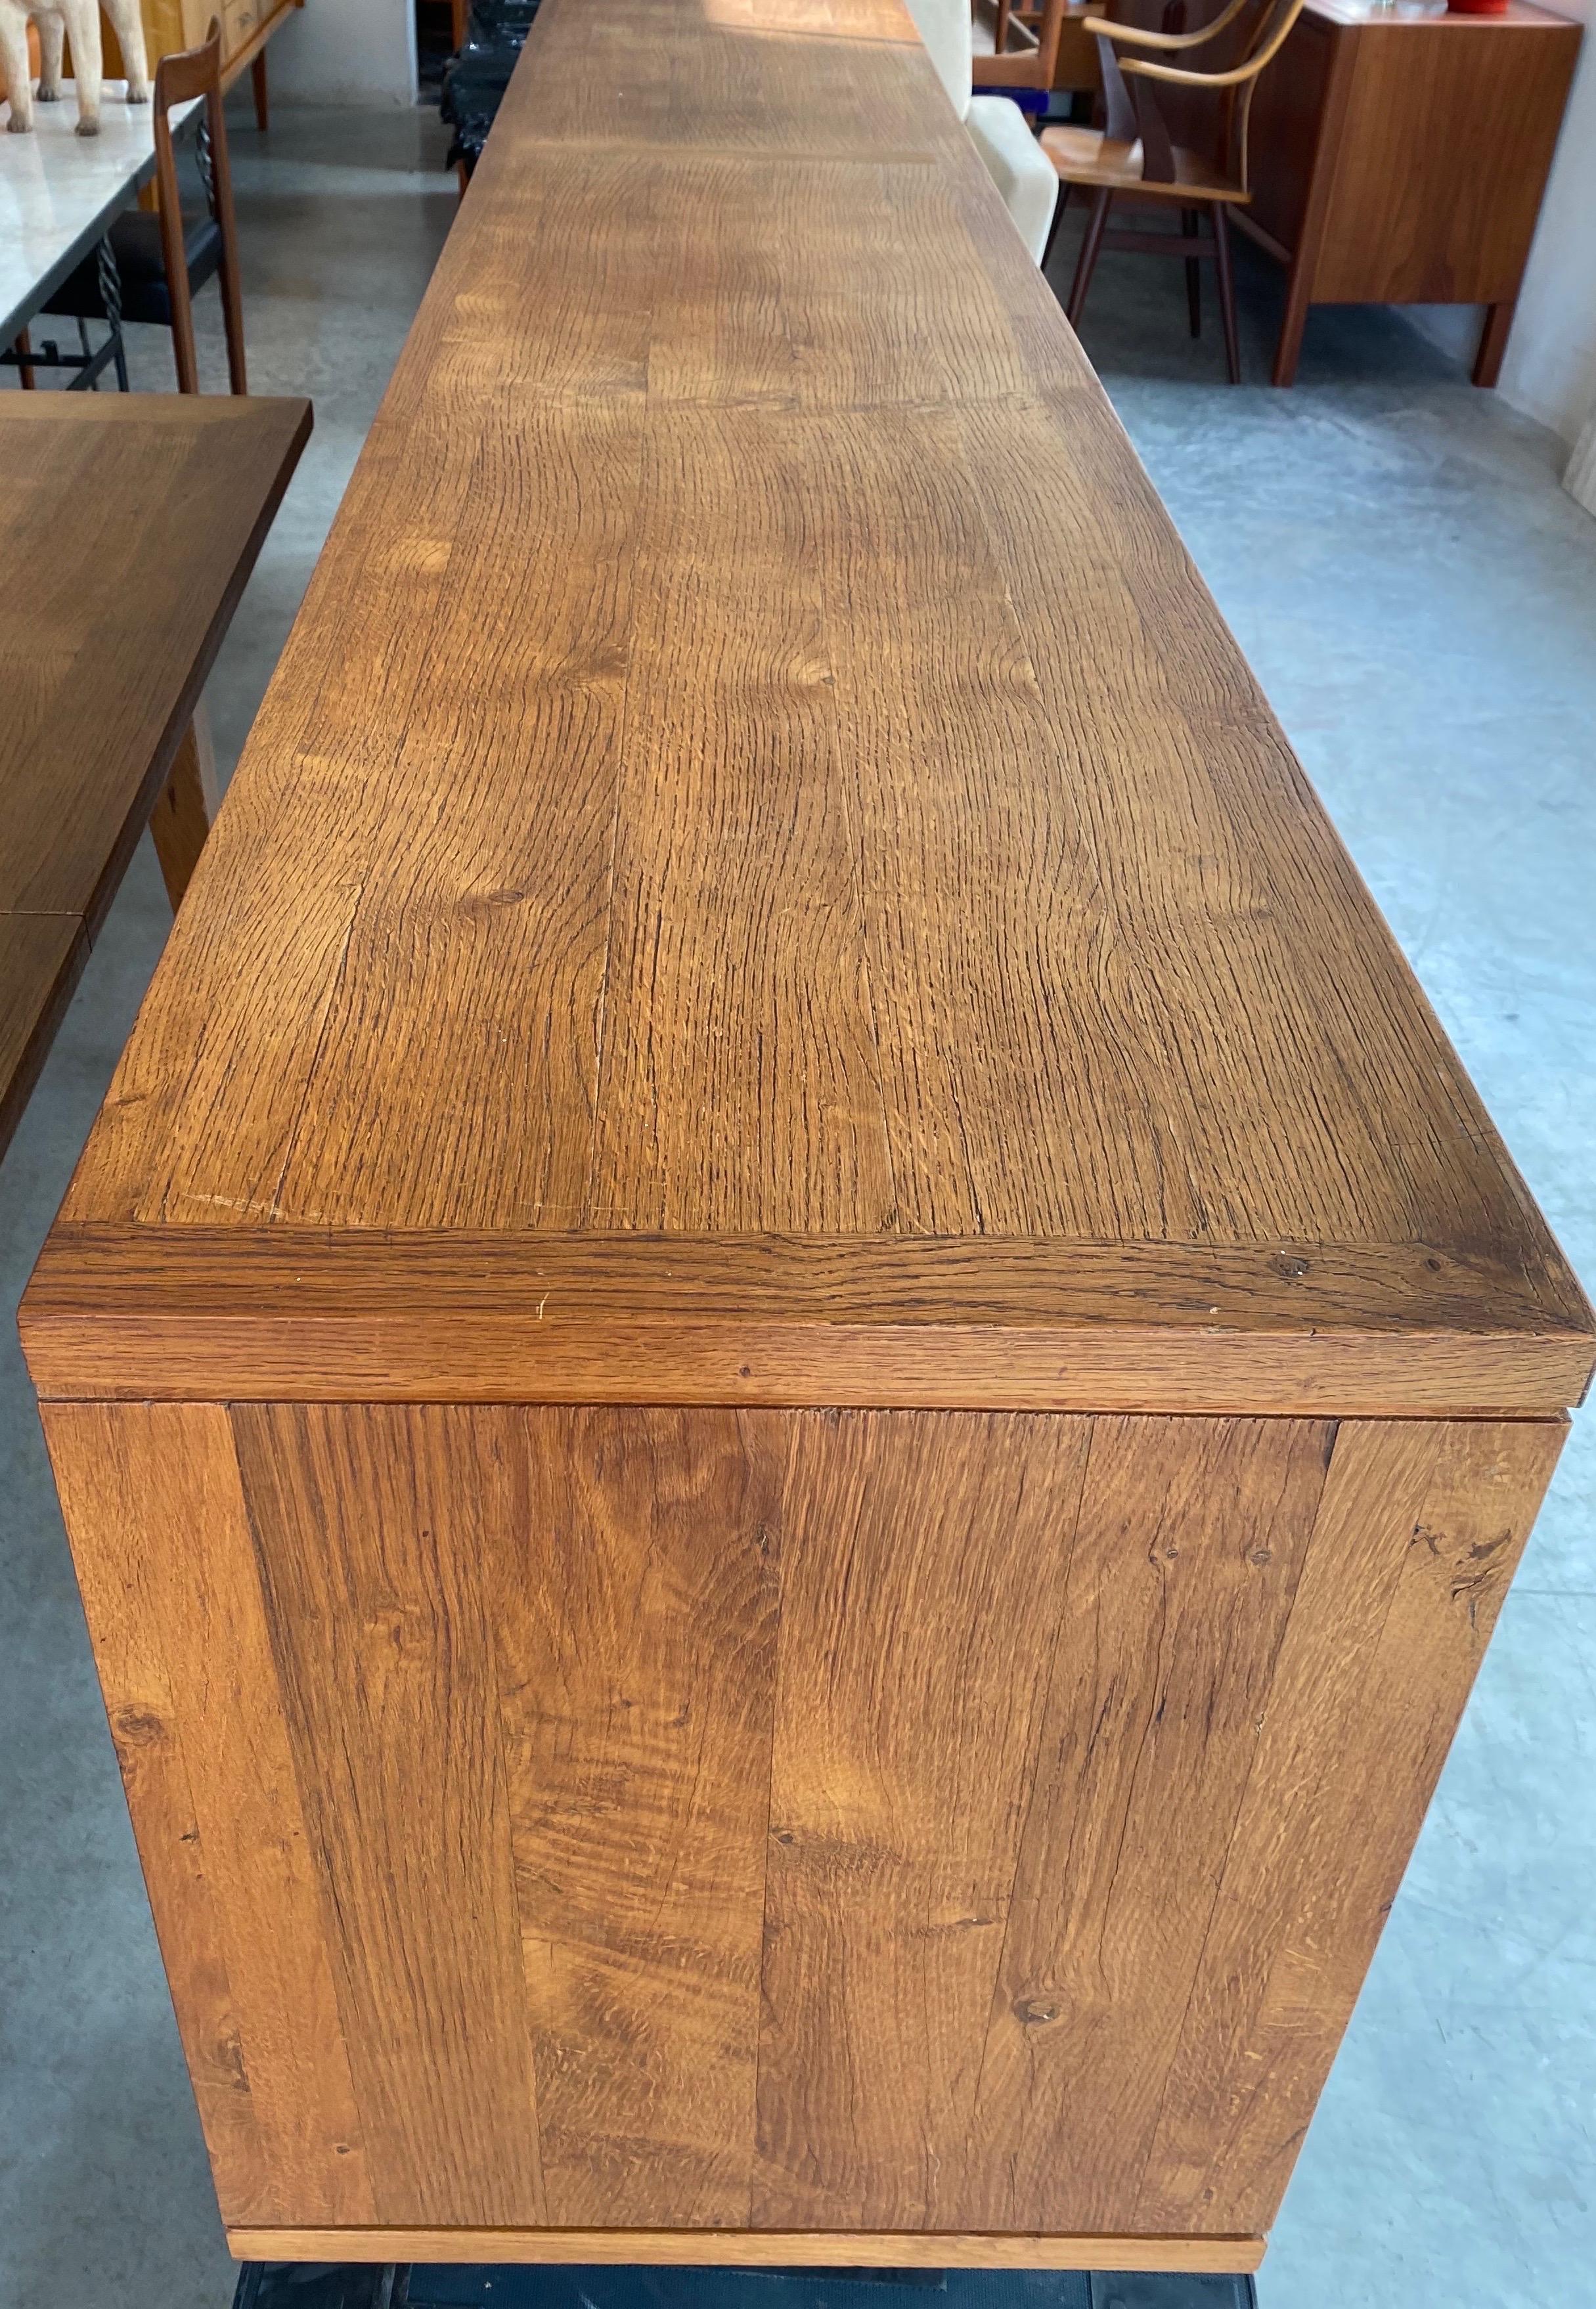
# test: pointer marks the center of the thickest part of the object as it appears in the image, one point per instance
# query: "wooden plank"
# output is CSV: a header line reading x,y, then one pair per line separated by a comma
x,y
364,1521
166,1567
766,77
637,1559
1189,1546
1309,1327
923,1562
1019,1884
1417,1535
718,741
752,2249
179,1063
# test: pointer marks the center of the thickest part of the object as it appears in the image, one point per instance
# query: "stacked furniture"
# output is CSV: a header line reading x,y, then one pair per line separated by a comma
x,y
475,78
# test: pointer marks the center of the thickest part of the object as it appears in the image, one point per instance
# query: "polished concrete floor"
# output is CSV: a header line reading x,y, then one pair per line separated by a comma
x,y
1419,597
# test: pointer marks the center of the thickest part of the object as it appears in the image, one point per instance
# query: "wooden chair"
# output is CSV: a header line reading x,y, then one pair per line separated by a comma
x,y
161,261
1133,156
1035,48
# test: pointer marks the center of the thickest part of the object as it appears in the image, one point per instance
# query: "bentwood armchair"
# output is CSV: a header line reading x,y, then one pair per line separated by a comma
x,y
1133,156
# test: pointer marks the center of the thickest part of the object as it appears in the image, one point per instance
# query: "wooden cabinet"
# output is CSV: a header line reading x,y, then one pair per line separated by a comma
x,y
1401,159
792,1383
247,26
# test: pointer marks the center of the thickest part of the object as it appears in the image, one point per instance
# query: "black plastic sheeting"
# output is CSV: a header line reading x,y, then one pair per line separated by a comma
x,y
268,2284
474,80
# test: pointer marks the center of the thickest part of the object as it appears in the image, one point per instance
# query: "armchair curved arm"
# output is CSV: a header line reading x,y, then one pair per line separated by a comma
x,y
1248,69
1134,38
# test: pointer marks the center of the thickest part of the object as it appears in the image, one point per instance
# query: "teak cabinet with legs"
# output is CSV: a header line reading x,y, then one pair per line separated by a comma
x,y
792,1384
246,27
1402,159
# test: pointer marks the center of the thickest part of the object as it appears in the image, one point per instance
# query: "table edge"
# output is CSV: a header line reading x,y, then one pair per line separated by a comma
x,y
183,1313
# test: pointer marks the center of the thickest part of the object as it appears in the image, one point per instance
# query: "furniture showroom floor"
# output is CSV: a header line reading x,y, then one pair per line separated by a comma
x,y
1420,600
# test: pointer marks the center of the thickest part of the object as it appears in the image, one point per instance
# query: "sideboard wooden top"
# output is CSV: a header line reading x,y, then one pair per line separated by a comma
x,y
1521,13
760,830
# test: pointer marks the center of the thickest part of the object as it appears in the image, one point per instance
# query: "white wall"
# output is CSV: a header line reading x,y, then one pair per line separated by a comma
x,y
346,52
1551,368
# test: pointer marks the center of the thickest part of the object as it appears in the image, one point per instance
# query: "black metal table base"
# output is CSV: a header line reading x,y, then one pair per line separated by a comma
x,y
92,361
308,2285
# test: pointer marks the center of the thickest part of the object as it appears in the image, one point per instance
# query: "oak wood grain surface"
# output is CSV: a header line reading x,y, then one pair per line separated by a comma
x,y
792,1381
128,529
879,1822
755,761
136,1313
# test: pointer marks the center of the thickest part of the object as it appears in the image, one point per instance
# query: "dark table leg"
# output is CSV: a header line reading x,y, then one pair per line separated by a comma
x,y
1493,342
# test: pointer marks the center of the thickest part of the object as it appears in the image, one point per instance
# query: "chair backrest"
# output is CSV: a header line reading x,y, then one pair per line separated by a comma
x,y
944,26
1133,113
189,73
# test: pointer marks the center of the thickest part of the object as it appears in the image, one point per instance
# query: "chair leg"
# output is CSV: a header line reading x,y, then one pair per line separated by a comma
x,y
185,359
232,320
1059,207
1188,225
1222,230
24,366
1493,342
1086,263
263,104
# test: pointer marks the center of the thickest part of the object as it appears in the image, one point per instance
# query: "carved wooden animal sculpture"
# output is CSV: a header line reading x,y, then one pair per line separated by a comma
x,y
79,18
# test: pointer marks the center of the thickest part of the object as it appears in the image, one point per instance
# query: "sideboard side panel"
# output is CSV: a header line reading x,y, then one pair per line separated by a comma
x,y
881,1821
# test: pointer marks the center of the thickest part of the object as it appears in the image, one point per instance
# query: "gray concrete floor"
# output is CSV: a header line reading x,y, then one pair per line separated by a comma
x,y
1394,556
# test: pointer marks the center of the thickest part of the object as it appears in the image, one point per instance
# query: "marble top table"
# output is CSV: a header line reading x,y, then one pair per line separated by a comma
x,y
60,191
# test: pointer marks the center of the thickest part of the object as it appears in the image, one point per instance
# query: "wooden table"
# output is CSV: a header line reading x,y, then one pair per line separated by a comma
x,y
1400,157
127,531
792,1381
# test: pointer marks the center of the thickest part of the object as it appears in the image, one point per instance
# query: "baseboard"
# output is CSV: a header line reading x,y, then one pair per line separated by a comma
x,y
1219,2256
